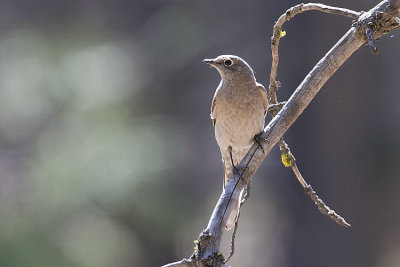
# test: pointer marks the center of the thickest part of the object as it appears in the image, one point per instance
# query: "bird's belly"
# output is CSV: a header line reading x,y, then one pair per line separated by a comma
x,y
237,126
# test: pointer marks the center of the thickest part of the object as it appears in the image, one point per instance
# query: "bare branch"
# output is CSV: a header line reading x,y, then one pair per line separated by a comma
x,y
287,156
289,161
182,263
191,263
323,208
299,100
275,107
331,10
289,14
384,17
299,176
233,238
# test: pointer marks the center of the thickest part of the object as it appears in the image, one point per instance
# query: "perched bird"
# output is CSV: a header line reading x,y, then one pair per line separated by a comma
x,y
238,110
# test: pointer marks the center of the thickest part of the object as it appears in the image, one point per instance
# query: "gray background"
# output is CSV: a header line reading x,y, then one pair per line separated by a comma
x,y
108,156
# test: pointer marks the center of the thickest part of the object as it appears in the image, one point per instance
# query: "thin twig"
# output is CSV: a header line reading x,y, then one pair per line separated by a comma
x,y
289,14
233,239
323,208
289,161
299,176
331,10
275,107
287,156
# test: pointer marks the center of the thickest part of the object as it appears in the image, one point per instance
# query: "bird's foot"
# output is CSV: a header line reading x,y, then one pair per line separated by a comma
x,y
259,140
239,169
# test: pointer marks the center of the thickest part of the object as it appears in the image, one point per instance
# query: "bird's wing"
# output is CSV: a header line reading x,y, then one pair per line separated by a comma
x,y
264,96
212,115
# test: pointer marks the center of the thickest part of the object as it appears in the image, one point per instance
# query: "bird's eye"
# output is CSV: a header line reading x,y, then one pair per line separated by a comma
x,y
228,63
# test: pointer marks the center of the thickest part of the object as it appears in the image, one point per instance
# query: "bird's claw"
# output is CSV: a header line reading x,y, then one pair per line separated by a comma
x,y
259,140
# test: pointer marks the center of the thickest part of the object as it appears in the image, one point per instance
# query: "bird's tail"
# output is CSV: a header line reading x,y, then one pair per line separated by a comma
x,y
235,211
234,214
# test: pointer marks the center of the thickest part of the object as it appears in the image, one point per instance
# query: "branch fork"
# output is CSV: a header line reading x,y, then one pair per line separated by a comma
x,y
384,18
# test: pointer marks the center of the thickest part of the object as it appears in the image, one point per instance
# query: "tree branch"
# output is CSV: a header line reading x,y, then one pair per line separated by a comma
x,y
384,17
288,15
287,156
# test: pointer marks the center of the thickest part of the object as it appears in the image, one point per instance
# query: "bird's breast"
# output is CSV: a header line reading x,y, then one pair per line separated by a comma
x,y
239,116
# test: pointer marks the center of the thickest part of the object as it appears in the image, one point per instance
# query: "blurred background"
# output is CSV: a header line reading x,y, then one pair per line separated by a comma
x,y
107,151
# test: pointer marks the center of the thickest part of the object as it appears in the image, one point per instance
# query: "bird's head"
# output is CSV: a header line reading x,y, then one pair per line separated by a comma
x,y
231,67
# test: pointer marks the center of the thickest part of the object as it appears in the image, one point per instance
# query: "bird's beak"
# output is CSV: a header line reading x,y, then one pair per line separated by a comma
x,y
209,61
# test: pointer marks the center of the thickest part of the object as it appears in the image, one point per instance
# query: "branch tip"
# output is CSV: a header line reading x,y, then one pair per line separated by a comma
x,y
323,208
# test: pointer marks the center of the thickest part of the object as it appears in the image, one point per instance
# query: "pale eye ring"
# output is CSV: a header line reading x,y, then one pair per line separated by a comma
x,y
228,63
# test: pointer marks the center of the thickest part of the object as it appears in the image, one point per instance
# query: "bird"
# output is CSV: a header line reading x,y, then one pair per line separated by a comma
x,y
238,111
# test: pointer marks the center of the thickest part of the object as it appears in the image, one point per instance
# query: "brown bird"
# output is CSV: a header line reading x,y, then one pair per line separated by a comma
x,y
238,111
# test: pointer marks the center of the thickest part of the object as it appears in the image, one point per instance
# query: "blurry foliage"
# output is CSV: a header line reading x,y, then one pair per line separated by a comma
x,y
75,159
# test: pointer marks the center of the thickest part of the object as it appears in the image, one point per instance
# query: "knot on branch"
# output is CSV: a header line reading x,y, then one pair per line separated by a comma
x,y
373,26
202,243
205,239
273,88
381,23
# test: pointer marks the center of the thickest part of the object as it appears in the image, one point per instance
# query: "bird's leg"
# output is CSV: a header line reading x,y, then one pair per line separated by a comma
x,y
237,169
234,170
